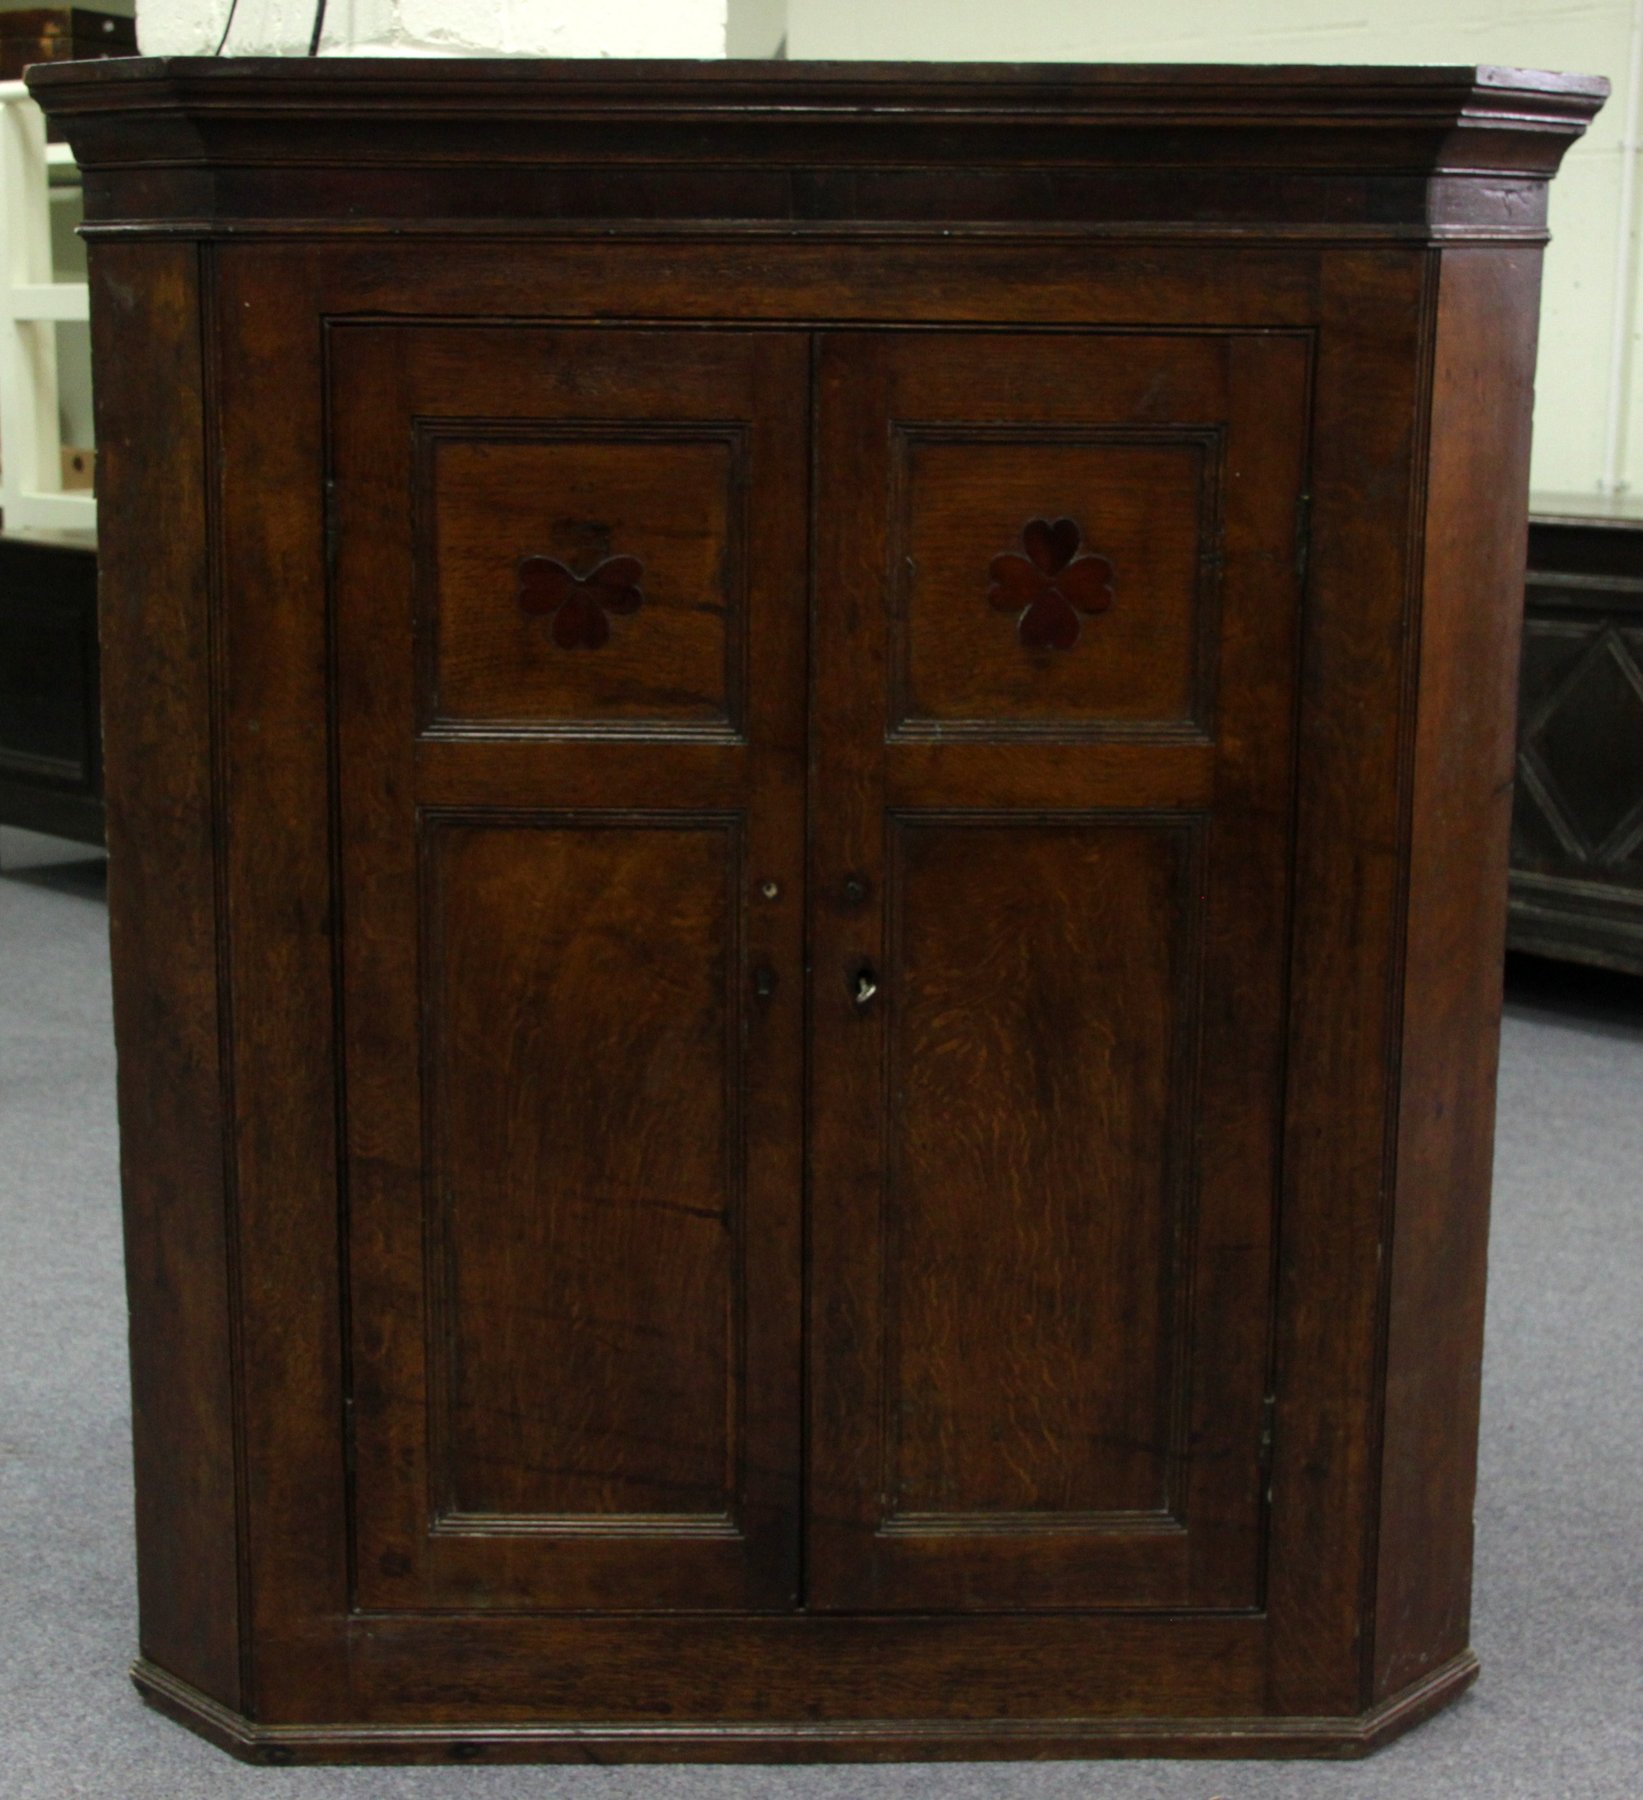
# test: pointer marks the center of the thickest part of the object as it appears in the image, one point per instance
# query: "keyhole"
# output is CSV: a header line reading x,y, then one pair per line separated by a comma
x,y
867,985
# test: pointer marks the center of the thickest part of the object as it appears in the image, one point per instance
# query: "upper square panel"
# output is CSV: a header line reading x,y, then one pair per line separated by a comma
x,y
579,576
1054,578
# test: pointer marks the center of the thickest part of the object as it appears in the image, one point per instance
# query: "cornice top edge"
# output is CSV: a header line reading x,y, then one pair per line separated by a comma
x,y
1188,93
1367,135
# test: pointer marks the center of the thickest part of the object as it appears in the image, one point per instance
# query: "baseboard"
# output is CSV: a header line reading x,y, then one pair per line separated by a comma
x,y
793,1741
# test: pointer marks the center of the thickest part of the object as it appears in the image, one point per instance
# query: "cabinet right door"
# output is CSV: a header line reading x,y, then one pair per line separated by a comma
x,y
1057,580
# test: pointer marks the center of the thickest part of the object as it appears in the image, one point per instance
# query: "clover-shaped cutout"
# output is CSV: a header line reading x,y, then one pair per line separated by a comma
x,y
1049,587
581,604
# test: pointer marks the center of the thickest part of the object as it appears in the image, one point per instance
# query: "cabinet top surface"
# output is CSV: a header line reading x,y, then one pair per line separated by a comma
x,y
1418,151
1166,86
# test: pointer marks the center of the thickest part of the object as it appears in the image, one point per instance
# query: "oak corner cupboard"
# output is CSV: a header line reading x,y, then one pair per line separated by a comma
x,y
808,777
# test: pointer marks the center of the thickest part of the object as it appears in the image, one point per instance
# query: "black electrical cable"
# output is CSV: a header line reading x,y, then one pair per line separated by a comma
x,y
227,26
313,36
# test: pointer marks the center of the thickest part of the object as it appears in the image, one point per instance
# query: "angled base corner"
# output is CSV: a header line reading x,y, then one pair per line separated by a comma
x,y
799,1741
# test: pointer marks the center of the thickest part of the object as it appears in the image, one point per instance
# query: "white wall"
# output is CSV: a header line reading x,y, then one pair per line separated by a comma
x,y
1572,423
756,28
707,28
438,27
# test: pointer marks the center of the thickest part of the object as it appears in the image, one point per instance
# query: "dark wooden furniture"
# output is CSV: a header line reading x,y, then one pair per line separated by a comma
x,y
32,34
809,778
51,762
1577,825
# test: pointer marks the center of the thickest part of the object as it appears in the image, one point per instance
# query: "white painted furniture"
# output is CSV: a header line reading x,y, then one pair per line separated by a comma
x,y
32,301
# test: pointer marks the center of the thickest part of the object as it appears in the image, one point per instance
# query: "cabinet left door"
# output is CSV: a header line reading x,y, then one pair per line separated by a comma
x,y
568,591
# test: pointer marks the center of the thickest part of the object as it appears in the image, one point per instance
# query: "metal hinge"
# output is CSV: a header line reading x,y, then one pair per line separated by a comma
x,y
1269,1414
331,529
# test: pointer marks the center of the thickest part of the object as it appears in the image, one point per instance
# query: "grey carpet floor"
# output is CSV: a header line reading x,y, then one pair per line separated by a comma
x,y
1558,1714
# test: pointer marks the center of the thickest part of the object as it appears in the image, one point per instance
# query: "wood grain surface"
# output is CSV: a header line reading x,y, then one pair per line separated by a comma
x,y
1082,1168
806,784
572,1025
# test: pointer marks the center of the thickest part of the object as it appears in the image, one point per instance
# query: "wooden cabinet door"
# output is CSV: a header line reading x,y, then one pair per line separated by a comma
x,y
569,568
1051,767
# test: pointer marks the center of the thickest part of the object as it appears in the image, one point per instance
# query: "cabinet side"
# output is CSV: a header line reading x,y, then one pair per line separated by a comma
x,y
1471,610
164,934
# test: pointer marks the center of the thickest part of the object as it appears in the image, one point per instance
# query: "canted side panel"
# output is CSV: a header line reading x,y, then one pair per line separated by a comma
x,y
581,1032
166,925
1470,620
1045,975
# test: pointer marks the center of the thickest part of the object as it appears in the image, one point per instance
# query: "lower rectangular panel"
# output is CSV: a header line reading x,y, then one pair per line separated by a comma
x,y
1064,1406
584,1206
1044,981
550,1362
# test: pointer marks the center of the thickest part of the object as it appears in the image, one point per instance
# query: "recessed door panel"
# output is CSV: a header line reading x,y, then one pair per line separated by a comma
x,y
1056,616
582,1352
569,677
1046,990
620,546
1098,543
